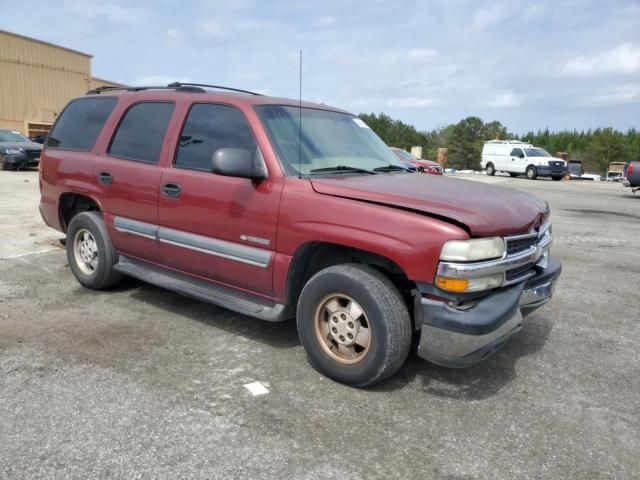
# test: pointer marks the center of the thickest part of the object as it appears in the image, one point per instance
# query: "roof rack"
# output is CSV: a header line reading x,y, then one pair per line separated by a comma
x,y
187,84
177,88
504,142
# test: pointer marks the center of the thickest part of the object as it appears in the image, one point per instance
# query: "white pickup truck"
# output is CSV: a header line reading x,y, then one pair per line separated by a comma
x,y
517,158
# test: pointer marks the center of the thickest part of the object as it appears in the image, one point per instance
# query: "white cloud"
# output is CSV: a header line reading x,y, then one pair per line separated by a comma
x,y
410,102
326,21
504,100
486,17
623,59
618,95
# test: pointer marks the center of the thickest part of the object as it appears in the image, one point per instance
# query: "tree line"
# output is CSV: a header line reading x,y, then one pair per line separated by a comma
x,y
464,140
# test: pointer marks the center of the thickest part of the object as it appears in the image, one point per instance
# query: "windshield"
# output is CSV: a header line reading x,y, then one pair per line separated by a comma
x,y
329,139
11,136
536,152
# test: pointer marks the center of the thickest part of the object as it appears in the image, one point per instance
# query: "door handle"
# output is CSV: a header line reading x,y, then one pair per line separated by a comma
x,y
172,190
105,178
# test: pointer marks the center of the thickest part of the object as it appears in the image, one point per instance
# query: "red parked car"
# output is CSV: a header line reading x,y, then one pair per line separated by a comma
x,y
223,196
417,164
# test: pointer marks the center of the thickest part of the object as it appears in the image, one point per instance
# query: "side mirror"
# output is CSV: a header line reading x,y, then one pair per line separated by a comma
x,y
236,162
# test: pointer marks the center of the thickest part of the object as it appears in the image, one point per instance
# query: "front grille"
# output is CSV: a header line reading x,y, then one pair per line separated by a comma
x,y
33,153
517,245
516,273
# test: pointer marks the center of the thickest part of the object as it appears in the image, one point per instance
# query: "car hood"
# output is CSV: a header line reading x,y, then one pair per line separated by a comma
x,y
23,145
549,159
482,209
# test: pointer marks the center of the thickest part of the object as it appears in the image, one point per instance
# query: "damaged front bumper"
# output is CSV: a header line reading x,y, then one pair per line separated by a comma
x,y
460,338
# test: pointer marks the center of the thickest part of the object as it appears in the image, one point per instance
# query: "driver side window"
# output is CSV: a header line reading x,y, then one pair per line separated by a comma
x,y
209,128
516,152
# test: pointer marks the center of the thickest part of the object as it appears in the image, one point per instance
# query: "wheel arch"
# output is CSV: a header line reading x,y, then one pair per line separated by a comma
x,y
312,257
71,203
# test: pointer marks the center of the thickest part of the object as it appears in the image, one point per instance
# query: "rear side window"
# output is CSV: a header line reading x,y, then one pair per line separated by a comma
x,y
208,128
141,132
80,123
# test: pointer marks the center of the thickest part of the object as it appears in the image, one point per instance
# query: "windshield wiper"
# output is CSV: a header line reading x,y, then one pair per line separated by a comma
x,y
390,168
341,168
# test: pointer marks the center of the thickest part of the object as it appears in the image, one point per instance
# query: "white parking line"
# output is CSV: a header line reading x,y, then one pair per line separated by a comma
x,y
37,252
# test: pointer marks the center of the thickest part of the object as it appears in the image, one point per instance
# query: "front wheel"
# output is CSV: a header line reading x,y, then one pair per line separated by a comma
x,y
491,171
532,173
354,324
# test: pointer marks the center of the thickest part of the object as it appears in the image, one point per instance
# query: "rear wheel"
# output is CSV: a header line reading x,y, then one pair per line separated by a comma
x,y
90,252
491,170
532,173
354,324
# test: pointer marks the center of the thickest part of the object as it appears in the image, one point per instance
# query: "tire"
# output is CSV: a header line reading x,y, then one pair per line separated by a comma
x,y
87,236
556,179
513,175
5,166
532,173
491,170
384,316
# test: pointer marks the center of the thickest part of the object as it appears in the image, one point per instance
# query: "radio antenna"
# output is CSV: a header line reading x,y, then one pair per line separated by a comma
x,y
300,119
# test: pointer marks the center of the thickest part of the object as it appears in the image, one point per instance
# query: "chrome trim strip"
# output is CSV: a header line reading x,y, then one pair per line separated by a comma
x,y
212,246
135,227
492,267
214,253
133,232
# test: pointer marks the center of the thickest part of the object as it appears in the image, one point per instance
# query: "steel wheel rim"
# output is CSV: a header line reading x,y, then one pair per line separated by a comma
x,y
342,328
85,251
530,173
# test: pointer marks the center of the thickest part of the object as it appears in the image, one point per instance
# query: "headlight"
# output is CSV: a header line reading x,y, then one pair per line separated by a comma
x,y
11,151
473,250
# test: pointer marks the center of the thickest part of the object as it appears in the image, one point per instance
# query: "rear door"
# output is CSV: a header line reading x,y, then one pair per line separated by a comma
x,y
219,228
128,173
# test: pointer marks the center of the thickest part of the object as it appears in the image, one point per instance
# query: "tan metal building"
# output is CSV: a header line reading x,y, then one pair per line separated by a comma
x,y
37,79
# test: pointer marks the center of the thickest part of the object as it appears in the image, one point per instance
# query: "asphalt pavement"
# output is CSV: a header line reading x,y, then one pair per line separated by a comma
x,y
138,382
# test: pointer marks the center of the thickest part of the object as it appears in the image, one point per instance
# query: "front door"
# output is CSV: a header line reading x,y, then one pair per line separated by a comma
x,y
220,228
517,161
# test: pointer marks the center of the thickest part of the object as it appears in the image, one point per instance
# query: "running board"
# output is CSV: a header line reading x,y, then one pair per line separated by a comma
x,y
189,286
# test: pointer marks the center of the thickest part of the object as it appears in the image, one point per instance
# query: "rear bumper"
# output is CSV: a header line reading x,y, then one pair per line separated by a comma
x,y
461,338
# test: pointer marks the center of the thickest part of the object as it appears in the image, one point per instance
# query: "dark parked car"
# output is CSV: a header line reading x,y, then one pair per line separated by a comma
x,y
17,151
228,198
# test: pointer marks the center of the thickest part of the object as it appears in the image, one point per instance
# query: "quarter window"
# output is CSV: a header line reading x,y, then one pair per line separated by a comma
x,y
80,123
141,132
208,128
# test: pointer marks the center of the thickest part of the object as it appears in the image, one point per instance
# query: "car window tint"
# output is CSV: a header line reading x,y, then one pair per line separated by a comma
x,y
80,123
141,132
515,152
209,128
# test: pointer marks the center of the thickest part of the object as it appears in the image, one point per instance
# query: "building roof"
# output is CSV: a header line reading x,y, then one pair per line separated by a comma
x,y
24,37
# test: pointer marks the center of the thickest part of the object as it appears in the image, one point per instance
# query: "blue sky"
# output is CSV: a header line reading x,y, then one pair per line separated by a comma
x,y
532,64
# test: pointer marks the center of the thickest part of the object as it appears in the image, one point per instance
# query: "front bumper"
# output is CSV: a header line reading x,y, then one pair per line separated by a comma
x,y
20,160
551,171
460,338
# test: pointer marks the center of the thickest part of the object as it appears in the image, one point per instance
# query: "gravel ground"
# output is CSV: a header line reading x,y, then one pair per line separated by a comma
x,y
139,382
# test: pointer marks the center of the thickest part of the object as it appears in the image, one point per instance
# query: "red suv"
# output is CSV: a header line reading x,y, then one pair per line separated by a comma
x,y
276,210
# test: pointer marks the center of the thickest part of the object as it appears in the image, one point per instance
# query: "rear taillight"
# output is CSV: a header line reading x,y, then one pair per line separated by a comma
x,y
629,170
